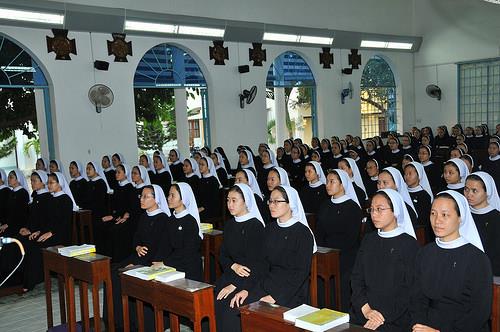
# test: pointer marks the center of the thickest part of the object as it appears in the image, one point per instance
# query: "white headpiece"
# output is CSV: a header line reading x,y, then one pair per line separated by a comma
x,y
21,179
422,177
165,165
251,204
298,213
467,230
100,175
356,175
189,202
252,182
250,159
462,169
401,214
144,175
401,186
284,180
194,166
211,170
81,170
348,187
160,200
319,171
65,188
491,190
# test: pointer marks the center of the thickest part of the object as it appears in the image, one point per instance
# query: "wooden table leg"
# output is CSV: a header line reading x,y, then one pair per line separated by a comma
x,y
126,320
62,302
109,299
70,295
314,282
197,326
337,291
327,292
174,323
48,297
96,308
206,262
139,305
84,305
159,320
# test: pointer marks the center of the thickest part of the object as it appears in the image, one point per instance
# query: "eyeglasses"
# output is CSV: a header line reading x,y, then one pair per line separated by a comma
x,y
376,210
275,202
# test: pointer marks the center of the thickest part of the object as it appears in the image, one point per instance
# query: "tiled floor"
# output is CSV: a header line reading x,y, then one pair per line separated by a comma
x,y
27,312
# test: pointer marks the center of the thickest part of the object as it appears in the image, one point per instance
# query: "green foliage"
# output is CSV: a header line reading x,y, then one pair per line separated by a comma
x,y
155,117
377,77
35,143
17,112
271,139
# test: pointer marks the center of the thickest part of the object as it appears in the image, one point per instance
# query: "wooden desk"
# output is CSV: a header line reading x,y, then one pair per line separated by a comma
x,y
420,232
325,264
212,241
264,317
82,219
311,221
184,297
70,269
495,310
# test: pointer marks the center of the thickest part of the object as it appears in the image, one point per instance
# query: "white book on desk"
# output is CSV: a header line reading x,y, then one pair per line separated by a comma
x,y
302,310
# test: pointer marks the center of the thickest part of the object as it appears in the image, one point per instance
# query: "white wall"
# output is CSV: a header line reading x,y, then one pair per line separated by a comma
x,y
81,133
453,31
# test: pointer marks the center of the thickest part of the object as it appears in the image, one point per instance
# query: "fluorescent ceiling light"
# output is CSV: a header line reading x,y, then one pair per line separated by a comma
x,y
31,16
281,37
151,27
174,29
374,44
400,46
383,44
200,31
284,37
316,40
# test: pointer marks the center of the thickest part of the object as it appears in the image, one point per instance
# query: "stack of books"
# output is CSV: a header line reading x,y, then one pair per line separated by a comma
x,y
205,227
314,319
73,251
161,273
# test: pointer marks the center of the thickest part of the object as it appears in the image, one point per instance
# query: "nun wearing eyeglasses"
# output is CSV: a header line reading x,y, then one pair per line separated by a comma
x,y
180,247
453,279
382,278
241,254
338,224
314,192
147,239
482,195
288,248
54,230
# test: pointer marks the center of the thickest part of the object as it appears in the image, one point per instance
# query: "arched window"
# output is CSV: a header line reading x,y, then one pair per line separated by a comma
x,y
24,93
378,98
165,74
291,93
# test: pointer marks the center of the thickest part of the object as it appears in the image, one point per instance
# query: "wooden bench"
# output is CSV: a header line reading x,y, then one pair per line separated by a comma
x,y
212,241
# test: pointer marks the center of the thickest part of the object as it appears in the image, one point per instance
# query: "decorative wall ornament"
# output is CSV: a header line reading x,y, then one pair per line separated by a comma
x,y
354,59
218,52
257,54
119,47
326,58
61,45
